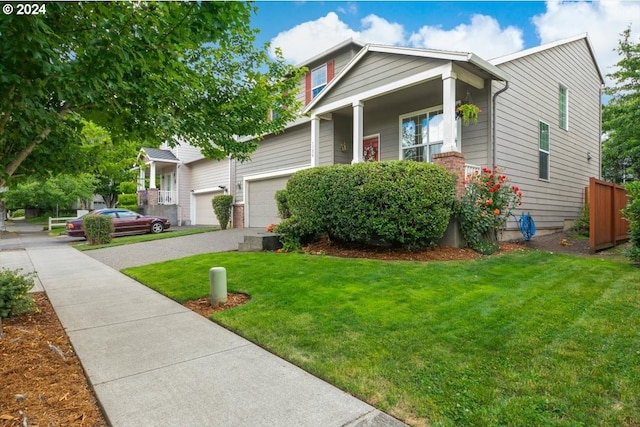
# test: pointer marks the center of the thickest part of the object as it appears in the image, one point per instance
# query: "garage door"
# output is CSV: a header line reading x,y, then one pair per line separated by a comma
x,y
263,209
204,210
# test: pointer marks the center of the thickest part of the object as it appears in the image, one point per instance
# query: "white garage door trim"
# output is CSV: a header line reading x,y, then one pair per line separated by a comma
x,y
247,180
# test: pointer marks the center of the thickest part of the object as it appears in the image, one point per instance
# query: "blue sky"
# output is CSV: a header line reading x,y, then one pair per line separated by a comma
x,y
489,29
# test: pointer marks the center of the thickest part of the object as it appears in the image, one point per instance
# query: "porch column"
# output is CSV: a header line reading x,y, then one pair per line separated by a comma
x,y
315,140
448,107
152,175
141,176
358,132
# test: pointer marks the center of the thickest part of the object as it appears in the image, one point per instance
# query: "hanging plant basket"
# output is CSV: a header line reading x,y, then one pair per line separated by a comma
x,y
468,113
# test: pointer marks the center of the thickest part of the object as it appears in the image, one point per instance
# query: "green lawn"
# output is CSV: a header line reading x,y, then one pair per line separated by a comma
x,y
522,339
125,240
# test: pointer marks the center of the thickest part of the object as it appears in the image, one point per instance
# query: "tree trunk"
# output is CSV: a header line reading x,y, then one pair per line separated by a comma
x,y
15,163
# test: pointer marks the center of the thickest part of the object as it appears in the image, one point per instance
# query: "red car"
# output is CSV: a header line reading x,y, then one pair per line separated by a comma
x,y
125,222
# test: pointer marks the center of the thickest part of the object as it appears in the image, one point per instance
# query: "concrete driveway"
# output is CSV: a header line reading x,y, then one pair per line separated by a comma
x,y
137,254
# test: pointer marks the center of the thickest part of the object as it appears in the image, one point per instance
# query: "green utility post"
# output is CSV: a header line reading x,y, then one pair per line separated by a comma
x,y
218,282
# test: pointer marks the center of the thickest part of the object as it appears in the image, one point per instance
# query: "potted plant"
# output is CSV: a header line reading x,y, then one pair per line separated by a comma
x,y
468,112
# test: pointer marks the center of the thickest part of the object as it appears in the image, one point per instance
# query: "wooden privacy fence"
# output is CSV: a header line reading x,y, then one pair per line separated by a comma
x,y
607,227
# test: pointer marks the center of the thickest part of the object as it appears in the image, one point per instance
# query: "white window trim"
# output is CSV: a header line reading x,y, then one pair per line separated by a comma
x,y
566,106
323,85
457,136
548,152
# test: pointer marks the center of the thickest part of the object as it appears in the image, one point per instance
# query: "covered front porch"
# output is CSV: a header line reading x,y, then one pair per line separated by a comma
x,y
160,188
409,115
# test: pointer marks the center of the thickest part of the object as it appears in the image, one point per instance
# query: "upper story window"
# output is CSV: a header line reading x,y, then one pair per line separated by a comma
x,y
318,80
543,151
563,106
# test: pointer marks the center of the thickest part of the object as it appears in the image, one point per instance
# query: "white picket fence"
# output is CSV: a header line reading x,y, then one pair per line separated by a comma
x,y
62,221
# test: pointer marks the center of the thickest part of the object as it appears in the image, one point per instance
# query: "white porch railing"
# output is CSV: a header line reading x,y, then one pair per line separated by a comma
x,y
167,197
471,169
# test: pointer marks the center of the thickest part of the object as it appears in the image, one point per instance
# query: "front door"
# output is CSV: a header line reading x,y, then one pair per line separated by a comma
x,y
371,148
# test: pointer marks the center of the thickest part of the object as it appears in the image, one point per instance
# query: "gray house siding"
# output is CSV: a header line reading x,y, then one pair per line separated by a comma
x,y
476,136
288,150
209,174
326,142
377,69
533,96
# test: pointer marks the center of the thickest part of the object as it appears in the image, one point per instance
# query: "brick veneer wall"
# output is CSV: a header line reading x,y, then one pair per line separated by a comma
x,y
152,196
453,162
238,216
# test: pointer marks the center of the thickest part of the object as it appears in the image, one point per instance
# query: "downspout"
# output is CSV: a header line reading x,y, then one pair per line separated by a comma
x,y
493,123
600,141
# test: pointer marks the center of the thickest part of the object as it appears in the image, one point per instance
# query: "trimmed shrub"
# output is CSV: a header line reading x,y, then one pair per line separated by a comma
x,y
97,228
283,205
128,201
128,187
632,214
222,208
14,293
393,203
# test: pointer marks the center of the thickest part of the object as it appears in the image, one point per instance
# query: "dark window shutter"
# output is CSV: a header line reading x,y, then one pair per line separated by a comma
x,y
331,70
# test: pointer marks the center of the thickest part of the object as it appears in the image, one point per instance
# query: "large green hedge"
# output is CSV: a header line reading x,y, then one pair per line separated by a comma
x,y
632,214
394,203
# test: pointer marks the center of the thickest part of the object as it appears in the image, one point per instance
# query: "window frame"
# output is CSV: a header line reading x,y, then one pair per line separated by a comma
x,y
542,151
563,107
423,145
426,111
321,86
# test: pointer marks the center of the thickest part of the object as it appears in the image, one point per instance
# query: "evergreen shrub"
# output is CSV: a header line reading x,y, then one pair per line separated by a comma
x,y
14,293
222,209
97,229
632,214
392,203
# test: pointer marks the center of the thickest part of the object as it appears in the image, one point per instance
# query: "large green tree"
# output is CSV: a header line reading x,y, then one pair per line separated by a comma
x,y
110,163
58,192
145,71
621,116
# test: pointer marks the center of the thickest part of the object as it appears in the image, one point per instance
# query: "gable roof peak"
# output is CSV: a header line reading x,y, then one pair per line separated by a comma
x,y
543,47
345,43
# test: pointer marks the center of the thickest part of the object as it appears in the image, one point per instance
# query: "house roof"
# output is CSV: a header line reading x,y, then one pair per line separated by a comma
x,y
332,49
521,54
159,155
465,57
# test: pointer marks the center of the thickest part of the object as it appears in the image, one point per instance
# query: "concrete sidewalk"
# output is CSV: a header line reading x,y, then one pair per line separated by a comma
x,y
153,362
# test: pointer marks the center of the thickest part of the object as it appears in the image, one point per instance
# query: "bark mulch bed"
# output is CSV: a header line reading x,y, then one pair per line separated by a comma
x,y
42,381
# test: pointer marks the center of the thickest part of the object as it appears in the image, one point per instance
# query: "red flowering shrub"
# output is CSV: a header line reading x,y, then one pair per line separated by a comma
x,y
485,208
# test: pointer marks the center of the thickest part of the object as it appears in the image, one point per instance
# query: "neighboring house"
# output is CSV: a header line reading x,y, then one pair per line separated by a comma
x,y
540,122
178,183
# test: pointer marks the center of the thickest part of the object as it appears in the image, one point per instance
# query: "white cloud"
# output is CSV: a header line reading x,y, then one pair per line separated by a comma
x,y
602,20
313,37
483,37
379,30
351,9
310,38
